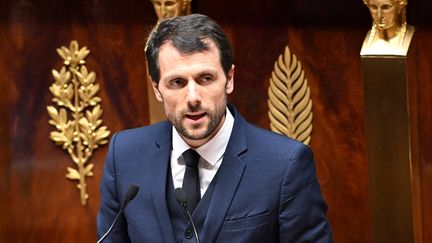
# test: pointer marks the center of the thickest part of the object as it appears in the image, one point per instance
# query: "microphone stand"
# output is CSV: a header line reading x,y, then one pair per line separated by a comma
x,y
181,199
129,195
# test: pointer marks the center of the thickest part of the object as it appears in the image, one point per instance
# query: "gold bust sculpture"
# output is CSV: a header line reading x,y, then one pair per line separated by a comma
x,y
390,33
168,9
171,8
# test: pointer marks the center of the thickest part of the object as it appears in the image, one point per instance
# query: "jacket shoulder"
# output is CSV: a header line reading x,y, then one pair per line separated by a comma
x,y
142,136
271,138
268,142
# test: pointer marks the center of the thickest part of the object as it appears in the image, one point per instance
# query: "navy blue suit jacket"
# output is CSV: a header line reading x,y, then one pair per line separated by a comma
x,y
266,191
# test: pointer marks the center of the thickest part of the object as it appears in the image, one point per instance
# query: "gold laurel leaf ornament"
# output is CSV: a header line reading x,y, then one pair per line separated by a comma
x,y
77,114
290,104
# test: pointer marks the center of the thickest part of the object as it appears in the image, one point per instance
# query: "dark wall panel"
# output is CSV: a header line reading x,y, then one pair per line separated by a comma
x,y
424,79
38,203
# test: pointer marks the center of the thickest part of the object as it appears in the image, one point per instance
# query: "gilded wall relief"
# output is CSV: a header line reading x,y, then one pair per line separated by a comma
x,y
290,104
76,114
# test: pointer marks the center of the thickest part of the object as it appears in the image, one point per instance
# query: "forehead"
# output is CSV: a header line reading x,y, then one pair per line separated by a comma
x,y
169,51
381,2
170,59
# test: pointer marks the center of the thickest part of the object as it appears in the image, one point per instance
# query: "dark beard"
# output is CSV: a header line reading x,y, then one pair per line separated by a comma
x,y
215,119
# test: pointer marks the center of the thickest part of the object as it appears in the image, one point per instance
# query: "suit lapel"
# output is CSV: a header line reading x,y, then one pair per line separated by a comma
x,y
227,178
158,179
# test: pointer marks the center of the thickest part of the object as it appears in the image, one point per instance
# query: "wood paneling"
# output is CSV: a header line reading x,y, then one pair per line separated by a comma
x,y
424,79
39,205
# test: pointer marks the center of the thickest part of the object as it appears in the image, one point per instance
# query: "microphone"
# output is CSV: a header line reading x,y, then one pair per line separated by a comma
x,y
181,199
129,196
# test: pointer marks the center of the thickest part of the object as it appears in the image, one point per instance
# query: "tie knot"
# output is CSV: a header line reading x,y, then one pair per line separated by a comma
x,y
191,158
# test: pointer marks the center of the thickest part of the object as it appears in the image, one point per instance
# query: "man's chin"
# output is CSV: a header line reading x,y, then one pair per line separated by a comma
x,y
195,135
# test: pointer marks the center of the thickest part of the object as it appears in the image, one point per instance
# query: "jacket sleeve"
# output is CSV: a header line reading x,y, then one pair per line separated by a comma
x,y
302,212
111,202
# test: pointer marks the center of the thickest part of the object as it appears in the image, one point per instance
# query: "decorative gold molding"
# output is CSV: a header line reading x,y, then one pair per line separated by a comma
x,y
75,92
290,104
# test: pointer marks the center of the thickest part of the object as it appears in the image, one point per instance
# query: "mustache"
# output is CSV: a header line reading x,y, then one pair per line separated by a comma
x,y
194,108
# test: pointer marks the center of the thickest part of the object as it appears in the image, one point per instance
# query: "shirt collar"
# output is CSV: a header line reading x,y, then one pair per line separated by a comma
x,y
211,151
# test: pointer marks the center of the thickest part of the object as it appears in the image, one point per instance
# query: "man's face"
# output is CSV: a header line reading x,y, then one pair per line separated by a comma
x,y
384,13
167,8
193,89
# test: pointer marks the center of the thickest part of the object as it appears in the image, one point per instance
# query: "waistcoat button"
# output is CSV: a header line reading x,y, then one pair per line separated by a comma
x,y
188,234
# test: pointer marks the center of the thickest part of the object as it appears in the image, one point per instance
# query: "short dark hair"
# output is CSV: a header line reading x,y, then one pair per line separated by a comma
x,y
188,34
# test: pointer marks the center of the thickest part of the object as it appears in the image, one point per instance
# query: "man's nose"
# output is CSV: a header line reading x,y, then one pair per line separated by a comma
x,y
193,94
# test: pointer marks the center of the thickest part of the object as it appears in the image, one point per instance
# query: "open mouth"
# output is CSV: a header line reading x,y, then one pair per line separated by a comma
x,y
195,117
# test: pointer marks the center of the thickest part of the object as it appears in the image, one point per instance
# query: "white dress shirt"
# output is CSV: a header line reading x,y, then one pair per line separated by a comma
x,y
211,155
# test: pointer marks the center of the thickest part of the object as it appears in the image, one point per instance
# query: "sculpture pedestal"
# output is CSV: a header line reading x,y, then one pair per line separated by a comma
x,y
391,132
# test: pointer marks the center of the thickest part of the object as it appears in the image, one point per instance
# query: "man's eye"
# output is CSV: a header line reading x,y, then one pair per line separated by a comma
x,y
207,78
176,82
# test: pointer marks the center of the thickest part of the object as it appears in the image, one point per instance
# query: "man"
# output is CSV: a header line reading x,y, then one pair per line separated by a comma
x,y
254,185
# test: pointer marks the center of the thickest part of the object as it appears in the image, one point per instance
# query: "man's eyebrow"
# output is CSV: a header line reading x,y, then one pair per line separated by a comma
x,y
212,71
171,77
207,71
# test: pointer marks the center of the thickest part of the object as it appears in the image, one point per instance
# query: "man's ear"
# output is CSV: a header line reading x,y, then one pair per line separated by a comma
x,y
156,91
230,82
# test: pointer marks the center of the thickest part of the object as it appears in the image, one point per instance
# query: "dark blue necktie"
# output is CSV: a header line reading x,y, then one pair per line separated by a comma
x,y
191,185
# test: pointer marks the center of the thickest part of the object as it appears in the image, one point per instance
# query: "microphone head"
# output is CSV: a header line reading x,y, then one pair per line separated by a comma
x,y
131,192
180,196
